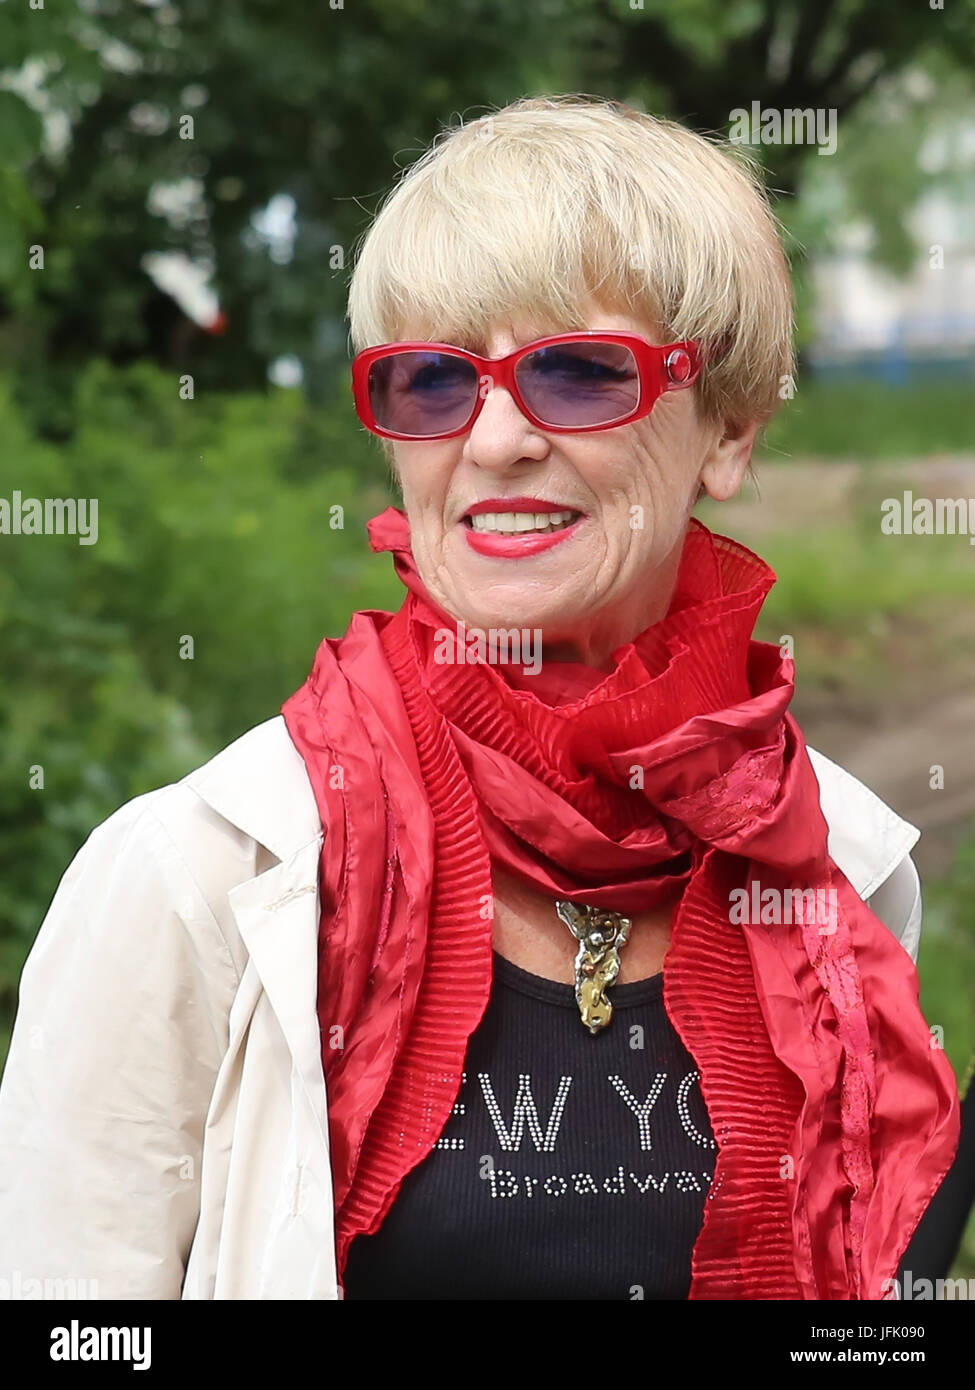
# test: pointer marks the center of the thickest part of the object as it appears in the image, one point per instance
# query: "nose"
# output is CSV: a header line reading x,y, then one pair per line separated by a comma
x,y
501,435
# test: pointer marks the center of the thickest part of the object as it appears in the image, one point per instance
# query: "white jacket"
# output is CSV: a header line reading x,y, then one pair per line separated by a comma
x,y
163,1113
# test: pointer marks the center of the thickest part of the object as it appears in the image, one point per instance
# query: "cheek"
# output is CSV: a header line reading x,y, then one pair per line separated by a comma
x,y
422,476
651,487
640,475
669,452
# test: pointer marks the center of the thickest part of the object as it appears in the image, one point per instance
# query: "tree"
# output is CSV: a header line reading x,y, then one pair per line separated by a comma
x,y
130,128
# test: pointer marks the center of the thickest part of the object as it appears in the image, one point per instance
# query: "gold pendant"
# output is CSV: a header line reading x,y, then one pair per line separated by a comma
x,y
600,935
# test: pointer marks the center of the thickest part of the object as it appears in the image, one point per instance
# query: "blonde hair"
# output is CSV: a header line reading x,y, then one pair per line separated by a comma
x,y
553,201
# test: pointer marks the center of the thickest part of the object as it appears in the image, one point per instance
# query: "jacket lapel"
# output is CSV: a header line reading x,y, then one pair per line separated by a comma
x,y
259,785
277,916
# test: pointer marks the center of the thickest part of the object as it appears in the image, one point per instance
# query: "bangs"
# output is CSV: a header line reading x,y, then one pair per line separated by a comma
x,y
553,209
494,239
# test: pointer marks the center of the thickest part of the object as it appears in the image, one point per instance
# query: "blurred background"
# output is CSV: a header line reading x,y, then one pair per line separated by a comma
x,y
181,192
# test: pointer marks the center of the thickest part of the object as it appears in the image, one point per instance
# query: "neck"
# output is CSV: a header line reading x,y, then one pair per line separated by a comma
x,y
608,629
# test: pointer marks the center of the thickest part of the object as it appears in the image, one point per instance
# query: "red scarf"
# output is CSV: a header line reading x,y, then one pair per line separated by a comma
x,y
834,1118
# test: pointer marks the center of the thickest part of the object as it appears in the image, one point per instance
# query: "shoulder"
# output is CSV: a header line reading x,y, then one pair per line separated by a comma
x,y
872,845
253,794
259,786
189,843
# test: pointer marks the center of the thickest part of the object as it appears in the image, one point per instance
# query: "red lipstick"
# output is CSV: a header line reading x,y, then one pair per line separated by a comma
x,y
517,544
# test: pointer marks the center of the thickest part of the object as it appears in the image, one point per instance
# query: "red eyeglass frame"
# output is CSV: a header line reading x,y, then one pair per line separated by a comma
x,y
661,368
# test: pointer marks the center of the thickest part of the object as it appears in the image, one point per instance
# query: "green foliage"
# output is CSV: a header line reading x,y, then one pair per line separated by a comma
x,y
910,139
327,105
946,962
869,420
215,522
946,966
845,576
322,104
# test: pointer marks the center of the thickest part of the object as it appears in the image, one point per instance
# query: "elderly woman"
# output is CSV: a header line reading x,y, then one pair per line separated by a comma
x,y
531,953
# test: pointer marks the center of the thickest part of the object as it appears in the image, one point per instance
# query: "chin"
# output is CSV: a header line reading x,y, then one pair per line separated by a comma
x,y
525,616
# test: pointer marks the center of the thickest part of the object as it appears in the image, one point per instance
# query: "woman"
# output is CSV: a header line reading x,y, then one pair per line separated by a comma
x,y
529,954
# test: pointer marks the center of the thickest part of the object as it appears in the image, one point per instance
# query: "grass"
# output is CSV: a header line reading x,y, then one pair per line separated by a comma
x,y
871,609
868,420
849,574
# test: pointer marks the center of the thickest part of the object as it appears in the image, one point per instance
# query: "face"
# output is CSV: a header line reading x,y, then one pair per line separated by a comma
x,y
634,486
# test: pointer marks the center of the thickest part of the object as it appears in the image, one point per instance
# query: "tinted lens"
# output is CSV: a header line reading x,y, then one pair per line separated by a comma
x,y
422,393
588,383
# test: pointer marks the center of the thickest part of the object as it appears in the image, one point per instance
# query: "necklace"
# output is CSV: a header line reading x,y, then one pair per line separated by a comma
x,y
600,934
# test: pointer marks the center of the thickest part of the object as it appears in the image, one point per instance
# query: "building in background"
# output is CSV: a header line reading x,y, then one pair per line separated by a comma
x,y
871,323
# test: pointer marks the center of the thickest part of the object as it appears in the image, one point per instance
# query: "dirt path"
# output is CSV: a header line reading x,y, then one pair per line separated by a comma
x,y
920,707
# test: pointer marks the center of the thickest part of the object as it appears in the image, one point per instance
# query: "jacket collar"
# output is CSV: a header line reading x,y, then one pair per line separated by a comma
x,y
258,783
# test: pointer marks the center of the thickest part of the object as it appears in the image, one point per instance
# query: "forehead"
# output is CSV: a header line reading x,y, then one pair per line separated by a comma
x,y
505,335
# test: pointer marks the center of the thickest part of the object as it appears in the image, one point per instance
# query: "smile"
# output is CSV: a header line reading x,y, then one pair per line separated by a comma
x,y
516,535
509,522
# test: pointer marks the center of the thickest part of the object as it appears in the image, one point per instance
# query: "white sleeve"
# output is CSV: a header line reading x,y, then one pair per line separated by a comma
x,y
120,1030
897,902
872,845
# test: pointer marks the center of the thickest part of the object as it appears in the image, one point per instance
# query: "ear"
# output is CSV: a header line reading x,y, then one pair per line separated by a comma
x,y
728,458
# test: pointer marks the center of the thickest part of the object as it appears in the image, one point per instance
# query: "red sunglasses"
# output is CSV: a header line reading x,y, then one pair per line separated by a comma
x,y
567,383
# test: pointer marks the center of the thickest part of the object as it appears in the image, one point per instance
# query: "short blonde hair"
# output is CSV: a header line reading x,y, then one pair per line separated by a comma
x,y
553,201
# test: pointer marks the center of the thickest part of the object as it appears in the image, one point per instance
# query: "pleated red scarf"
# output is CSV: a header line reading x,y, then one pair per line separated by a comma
x,y
835,1119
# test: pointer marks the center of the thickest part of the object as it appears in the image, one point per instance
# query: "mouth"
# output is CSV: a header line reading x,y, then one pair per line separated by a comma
x,y
519,532
521,523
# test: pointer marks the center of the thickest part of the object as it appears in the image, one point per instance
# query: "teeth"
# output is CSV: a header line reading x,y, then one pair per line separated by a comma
x,y
521,521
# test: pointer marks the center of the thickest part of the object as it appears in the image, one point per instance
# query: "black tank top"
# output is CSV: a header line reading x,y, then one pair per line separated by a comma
x,y
573,1166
